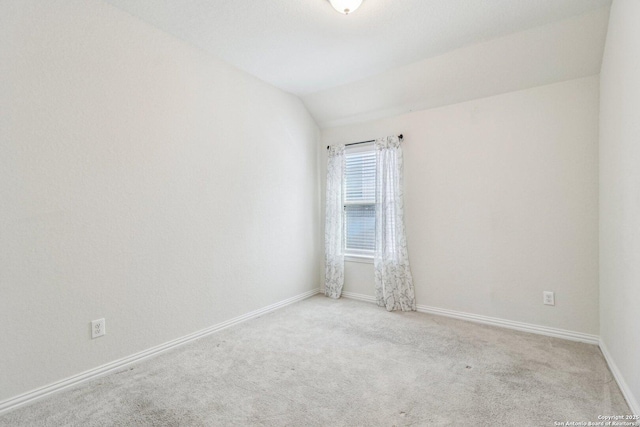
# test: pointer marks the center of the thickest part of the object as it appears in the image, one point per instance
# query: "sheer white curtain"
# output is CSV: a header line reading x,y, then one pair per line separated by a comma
x,y
334,227
393,280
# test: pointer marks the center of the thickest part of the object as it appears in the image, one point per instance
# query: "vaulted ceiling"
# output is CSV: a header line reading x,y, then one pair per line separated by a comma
x,y
389,56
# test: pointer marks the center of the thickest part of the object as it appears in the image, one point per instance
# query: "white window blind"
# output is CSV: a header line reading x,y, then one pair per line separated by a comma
x,y
359,203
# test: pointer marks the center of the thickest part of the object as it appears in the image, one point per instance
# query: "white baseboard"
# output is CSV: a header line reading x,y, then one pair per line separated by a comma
x,y
511,324
33,395
626,391
494,321
359,297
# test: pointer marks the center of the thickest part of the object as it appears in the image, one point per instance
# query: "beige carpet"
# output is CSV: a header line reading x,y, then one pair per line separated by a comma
x,y
322,362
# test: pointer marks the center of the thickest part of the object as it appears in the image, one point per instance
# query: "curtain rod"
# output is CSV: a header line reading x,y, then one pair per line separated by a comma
x,y
365,142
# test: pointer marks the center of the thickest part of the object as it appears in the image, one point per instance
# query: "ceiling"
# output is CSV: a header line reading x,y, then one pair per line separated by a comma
x,y
390,56
563,50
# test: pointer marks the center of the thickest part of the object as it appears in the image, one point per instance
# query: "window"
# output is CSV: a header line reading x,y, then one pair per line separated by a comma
x,y
359,201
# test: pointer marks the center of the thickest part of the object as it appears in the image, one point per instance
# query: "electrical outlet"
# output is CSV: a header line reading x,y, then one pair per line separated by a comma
x,y
548,298
97,328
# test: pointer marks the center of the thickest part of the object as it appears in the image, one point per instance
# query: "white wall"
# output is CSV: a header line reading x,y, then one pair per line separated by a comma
x,y
141,181
620,196
501,204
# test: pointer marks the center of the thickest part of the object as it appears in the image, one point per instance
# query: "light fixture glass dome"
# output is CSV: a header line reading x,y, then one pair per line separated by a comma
x,y
345,6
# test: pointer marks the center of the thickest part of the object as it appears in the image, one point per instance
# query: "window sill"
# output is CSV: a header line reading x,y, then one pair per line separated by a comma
x,y
365,259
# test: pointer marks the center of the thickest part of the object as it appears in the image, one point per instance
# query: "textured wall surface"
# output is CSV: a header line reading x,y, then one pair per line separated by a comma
x,y
620,195
501,204
143,181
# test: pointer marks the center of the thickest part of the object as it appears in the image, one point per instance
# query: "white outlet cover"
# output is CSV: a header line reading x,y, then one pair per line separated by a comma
x,y
98,328
548,298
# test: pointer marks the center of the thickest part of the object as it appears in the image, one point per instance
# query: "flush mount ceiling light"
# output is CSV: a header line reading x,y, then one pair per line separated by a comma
x,y
345,6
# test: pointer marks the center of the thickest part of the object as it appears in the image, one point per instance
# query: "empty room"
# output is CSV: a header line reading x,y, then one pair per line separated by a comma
x,y
319,212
